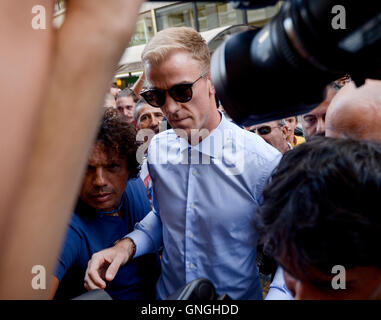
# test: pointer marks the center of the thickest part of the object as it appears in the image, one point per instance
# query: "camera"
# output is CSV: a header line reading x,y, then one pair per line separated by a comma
x,y
281,70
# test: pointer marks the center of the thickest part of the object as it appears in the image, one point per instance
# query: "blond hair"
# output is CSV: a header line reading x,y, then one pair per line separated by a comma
x,y
169,40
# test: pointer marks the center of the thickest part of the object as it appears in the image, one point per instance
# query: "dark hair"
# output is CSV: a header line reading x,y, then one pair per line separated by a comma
x,y
321,207
119,136
127,92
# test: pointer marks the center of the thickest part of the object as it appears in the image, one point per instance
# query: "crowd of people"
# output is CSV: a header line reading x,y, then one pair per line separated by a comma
x,y
172,190
206,217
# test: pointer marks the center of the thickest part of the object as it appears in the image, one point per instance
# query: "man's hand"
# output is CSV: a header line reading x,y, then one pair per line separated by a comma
x,y
106,263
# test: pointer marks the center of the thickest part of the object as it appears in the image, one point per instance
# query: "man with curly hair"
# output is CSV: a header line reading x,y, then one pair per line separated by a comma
x,y
111,201
319,220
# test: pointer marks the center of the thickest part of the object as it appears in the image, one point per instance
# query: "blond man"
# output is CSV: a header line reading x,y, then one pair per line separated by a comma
x,y
207,176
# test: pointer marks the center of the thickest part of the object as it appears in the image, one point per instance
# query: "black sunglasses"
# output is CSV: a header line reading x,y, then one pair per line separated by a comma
x,y
179,92
264,130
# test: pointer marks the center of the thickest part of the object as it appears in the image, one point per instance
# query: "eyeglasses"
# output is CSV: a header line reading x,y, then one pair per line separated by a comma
x,y
181,92
263,130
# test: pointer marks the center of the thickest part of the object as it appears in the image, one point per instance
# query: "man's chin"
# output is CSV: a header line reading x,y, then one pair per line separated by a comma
x,y
103,205
156,130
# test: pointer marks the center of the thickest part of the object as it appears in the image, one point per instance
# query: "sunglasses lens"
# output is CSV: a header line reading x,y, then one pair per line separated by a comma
x,y
155,98
181,92
264,130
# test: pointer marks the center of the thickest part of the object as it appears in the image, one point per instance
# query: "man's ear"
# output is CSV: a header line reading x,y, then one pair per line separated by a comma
x,y
212,90
285,130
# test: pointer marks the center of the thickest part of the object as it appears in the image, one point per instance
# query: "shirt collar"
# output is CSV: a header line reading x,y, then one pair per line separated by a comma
x,y
210,144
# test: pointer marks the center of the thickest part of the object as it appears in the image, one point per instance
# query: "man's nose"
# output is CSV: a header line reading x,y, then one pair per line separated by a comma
x,y
170,106
320,127
155,121
99,179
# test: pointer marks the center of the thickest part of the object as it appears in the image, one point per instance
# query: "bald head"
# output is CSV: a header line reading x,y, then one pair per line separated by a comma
x,y
356,112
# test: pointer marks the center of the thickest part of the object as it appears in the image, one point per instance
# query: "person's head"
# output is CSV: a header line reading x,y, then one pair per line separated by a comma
x,y
111,163
125,103
147,117
173,60
291,122
109,101
274,133
313,122
319,211
356,112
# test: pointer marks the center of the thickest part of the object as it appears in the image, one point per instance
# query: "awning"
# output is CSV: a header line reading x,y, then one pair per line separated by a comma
x,y
131,59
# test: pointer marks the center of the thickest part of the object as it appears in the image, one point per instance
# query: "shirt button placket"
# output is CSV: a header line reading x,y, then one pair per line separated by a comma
x,y
189,235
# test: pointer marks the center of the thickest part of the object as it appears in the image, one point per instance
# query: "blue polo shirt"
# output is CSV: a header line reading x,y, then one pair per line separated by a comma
x,y
89,232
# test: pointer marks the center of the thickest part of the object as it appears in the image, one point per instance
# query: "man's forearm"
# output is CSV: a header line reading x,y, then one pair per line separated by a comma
x,y
147,235
86,53
138,85
127,245
26,58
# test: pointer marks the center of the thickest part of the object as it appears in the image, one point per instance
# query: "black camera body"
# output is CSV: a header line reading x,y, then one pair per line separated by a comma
x,y
282,69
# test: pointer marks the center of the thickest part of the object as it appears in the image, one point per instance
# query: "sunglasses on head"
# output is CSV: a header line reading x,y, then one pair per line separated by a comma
x,y
181,92
263,130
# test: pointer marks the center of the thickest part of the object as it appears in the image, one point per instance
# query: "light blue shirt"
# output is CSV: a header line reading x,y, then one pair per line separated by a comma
x,y
204,202
278,289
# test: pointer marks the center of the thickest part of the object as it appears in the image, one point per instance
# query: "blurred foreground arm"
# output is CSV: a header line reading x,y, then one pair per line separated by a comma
x,y
84,54
25,59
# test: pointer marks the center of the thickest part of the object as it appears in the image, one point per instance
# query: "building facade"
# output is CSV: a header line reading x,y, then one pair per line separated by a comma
x,y
206,17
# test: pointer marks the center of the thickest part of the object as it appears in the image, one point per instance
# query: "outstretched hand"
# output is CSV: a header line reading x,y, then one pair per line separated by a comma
x,y
104,265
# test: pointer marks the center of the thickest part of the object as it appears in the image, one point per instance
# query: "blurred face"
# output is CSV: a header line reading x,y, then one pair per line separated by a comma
x,y
198,113
149,118
126,106
314,122
291,123
105,179
362,283
273,134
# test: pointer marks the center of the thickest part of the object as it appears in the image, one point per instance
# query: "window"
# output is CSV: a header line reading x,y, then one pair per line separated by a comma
x,y
259,17
144,29
179,15
213,15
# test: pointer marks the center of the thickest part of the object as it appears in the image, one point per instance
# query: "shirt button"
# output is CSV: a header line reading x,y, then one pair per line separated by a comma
x,y
191,236
192,205
195,172
191,266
